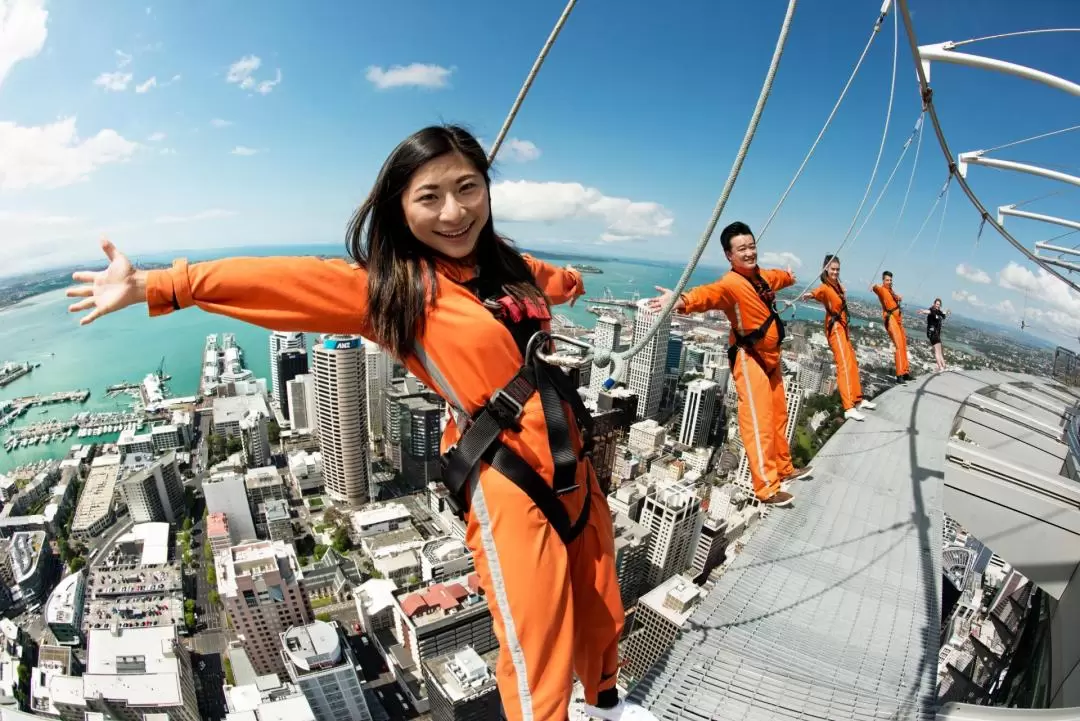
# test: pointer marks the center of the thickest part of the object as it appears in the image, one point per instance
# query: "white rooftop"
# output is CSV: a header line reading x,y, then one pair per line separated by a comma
x,y
97,494
314,645
61,607
254,558
683,593
154,538
138,666
384,513
233,408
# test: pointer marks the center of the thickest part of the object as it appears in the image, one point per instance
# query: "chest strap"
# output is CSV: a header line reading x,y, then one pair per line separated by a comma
x,y
480,441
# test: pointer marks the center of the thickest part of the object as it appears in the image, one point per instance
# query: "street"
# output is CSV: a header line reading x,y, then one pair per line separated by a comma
x,y
209,685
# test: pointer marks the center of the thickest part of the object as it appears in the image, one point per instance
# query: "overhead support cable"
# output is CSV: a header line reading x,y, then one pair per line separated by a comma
x,y
1033,137
877,163
602,358
884,13
976,157
1018,33
927,95
943,52
537,64
907,194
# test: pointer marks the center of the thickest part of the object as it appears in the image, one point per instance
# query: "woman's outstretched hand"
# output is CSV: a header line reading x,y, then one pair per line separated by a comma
x,y
109,290
665,295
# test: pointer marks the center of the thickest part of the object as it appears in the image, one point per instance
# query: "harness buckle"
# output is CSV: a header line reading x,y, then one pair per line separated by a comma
x,y
505,410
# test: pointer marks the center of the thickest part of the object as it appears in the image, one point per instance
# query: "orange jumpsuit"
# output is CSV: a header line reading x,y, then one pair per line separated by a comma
x,y
758,381
894,326
556,607
836,330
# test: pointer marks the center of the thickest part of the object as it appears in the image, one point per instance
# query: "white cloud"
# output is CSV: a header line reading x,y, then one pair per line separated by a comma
x,y
527,201
156,137
115,82
1041,286
963,296
168,151
520,150
10,217
242,73
147,86
1006,307
417,75
212,214
122,59
243,150
23,29
52,156
975,275
219,123
781,258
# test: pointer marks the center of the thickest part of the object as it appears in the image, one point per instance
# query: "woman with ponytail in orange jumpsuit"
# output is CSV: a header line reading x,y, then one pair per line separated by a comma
x,y
832,295
747,295
434,283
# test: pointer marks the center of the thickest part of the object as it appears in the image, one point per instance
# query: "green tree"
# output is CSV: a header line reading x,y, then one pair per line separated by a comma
x,y
227,664
211,575
215,599
188,524
320,551
189,619
189,605
233,445
324,617
24,675
273,430
341,540
76,564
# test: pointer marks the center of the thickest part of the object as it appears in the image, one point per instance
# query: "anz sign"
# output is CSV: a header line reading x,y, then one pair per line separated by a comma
x,y
342,343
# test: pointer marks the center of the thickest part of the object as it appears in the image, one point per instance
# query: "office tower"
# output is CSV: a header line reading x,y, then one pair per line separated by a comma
x,y
262,588
282,341
794,396
301,394
421,432
255,437
320,662
631,557
661,614
673,361
378,369
461,686
646,377
605,337
287,365
673,516
698,412
340,409
153,489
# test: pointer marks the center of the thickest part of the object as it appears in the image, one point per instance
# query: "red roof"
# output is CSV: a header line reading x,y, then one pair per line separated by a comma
x,y
217,524
474,583
413,604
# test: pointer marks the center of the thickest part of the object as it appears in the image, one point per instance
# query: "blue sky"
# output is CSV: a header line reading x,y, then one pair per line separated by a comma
x,y
257,126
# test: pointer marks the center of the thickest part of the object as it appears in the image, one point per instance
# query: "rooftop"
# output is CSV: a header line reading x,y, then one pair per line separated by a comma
x,y
264,476
382,513
217,524
255,558
832,608
139,666
233,408
97,493
65,600
146,544
313,647
442,600
443,550
463,674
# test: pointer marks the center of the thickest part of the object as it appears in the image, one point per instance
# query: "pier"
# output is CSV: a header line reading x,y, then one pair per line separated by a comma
x,y
11,372
86,424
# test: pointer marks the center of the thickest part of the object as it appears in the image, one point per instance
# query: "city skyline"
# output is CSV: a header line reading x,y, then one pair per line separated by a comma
x,y
271,133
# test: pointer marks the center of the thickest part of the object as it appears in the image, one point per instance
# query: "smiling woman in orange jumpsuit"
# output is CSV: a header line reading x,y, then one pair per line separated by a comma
x,y
831,294
434,283
747,295
893,318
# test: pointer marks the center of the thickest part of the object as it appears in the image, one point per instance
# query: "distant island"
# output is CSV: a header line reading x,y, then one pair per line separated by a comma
x,y
18,288
586,268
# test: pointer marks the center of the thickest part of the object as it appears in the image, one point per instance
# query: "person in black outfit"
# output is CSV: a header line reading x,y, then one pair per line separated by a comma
x,y
934,317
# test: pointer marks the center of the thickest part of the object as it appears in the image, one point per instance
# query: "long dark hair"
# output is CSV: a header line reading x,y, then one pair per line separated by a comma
x,y
402,286
825,271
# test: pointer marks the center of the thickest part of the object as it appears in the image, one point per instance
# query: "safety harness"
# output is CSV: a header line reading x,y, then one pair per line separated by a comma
x,y
748,341
480,437
895,308
831,319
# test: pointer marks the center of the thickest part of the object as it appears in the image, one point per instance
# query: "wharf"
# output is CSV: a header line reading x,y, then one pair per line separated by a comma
x,y
13,372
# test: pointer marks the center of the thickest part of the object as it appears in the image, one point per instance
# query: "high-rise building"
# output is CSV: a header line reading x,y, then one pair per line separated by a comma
x,y
647,367
673,360
379,366
282,341
421,432
288,365
794,397
673,516
153,489
255,438
393,423
698,412
341,409
661,614
631,557
301,397
461,686
320,662
605,337
262,588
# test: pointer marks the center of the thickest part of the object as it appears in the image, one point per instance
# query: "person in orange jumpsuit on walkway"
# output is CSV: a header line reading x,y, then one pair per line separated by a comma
x,y
831,294
747,295
435,284
892,316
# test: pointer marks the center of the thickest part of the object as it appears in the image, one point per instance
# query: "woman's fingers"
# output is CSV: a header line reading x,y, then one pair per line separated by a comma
x,y
84,276
90,317
81,305
80,291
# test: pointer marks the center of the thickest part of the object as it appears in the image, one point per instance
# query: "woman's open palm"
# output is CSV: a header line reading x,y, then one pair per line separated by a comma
x,y
106,291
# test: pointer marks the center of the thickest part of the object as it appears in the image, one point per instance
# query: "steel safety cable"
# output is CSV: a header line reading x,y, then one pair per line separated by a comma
x,y
903,205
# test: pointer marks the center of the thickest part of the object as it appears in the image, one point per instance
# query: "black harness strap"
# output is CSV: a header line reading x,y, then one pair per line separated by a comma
x,y
833,318
480,439
748,341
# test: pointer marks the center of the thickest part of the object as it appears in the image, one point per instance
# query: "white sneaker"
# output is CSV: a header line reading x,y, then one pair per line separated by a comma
x,y
867,405
623,712
854,415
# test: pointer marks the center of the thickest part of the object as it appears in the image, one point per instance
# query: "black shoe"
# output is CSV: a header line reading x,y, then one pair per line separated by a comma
x,y
900,380
907,377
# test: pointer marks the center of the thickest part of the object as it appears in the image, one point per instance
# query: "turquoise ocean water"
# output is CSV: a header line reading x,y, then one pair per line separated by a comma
x,y
128,345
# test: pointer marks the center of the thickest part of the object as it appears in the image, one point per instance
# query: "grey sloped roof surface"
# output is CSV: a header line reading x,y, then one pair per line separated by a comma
x,y
832,610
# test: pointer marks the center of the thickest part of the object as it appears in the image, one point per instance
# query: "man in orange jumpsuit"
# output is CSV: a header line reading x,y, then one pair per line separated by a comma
x,y
831,295
894,323
747,295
